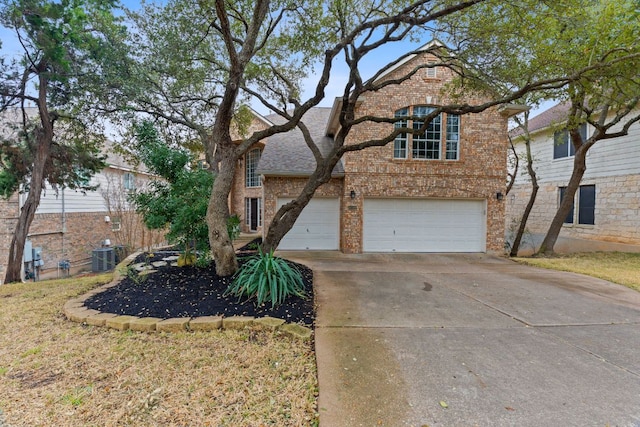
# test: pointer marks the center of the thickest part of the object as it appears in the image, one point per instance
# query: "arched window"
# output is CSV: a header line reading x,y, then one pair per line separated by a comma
x,y
435,143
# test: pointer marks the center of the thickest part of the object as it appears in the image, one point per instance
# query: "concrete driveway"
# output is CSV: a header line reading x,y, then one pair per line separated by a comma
x,y
471,340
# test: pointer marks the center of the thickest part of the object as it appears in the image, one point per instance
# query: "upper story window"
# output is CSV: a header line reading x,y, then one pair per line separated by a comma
x,y
252,179
431,71
434,143
562,145
129,181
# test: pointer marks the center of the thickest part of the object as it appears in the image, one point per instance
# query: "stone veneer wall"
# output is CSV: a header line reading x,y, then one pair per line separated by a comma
x,y
478,174
617,214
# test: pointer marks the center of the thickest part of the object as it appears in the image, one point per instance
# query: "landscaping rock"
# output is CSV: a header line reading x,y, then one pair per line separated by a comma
x,y
270,323
237,322
206,323
177,324
120,323
80,314
144,324
296,331
99,319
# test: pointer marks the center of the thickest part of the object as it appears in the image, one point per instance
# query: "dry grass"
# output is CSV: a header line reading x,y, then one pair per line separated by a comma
x,y
55,372
617,267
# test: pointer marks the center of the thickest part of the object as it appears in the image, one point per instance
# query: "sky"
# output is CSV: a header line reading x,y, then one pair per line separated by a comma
x,y
339,74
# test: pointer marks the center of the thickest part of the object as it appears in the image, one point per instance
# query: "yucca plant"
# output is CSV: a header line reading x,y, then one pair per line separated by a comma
x,y
267,278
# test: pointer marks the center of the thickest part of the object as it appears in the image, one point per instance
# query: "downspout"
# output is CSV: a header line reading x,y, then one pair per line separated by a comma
x,y
64,223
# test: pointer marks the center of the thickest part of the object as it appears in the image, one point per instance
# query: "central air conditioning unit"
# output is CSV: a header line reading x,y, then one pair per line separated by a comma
x,y
103,259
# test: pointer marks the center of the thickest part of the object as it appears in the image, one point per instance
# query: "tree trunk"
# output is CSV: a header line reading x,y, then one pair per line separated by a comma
x,y
579,168
28,210
217,215
532,199
287,215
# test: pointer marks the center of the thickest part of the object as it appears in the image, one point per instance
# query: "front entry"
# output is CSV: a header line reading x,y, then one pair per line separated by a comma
x,y
252,214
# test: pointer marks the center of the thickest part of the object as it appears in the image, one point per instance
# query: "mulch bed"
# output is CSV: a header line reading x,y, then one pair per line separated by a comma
x,y
193,292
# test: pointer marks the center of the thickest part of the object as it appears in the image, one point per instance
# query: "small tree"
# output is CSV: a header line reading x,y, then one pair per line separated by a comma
x,y
524,125
179,201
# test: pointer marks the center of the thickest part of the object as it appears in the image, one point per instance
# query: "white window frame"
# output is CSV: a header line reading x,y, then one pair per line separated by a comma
x,y
129,181
247,210
252,180
116,224
431,139
440,141
452,140
431,71
401,143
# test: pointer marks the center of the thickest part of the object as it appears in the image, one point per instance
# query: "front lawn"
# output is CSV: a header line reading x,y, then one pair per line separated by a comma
x,y
57,372
617,267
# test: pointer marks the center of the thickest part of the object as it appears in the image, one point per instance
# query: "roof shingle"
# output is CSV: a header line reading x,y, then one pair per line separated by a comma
x,y
287,154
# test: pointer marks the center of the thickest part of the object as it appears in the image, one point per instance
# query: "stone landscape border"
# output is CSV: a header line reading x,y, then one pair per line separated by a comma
x,y
76,311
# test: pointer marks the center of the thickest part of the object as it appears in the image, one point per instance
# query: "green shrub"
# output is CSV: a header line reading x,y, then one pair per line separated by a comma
x,y
233,227
267,278
179,200
204,259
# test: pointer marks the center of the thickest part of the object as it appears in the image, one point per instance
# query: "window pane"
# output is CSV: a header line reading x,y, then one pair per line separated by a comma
x,y
453,136
129,181
400,147
569,218
251,178
561,144
431,71
587,204
427,145
400,143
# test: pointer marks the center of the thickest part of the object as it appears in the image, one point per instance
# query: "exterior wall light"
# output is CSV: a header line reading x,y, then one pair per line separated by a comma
x,y
499,195
352,194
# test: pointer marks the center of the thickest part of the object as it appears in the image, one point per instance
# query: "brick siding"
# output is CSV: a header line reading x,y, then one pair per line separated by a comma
x,y
478,174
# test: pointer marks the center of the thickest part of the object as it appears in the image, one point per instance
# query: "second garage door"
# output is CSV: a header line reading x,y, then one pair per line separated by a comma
x,y
317,227
425,225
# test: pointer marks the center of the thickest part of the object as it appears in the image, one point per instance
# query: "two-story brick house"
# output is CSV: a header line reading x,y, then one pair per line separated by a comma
x,y
439,191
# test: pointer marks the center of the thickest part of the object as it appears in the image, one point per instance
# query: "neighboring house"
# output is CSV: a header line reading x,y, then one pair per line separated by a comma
x,y
606,208
436,192
70,225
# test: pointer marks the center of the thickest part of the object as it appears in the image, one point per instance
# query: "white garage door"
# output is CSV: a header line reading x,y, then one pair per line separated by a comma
x,y
405,225
317,227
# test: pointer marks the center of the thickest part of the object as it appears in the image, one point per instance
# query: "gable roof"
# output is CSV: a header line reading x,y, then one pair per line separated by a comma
x,y
553,116
287,154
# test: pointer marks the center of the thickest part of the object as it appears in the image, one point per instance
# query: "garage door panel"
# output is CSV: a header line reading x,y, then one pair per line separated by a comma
x,y
317,227
424,225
